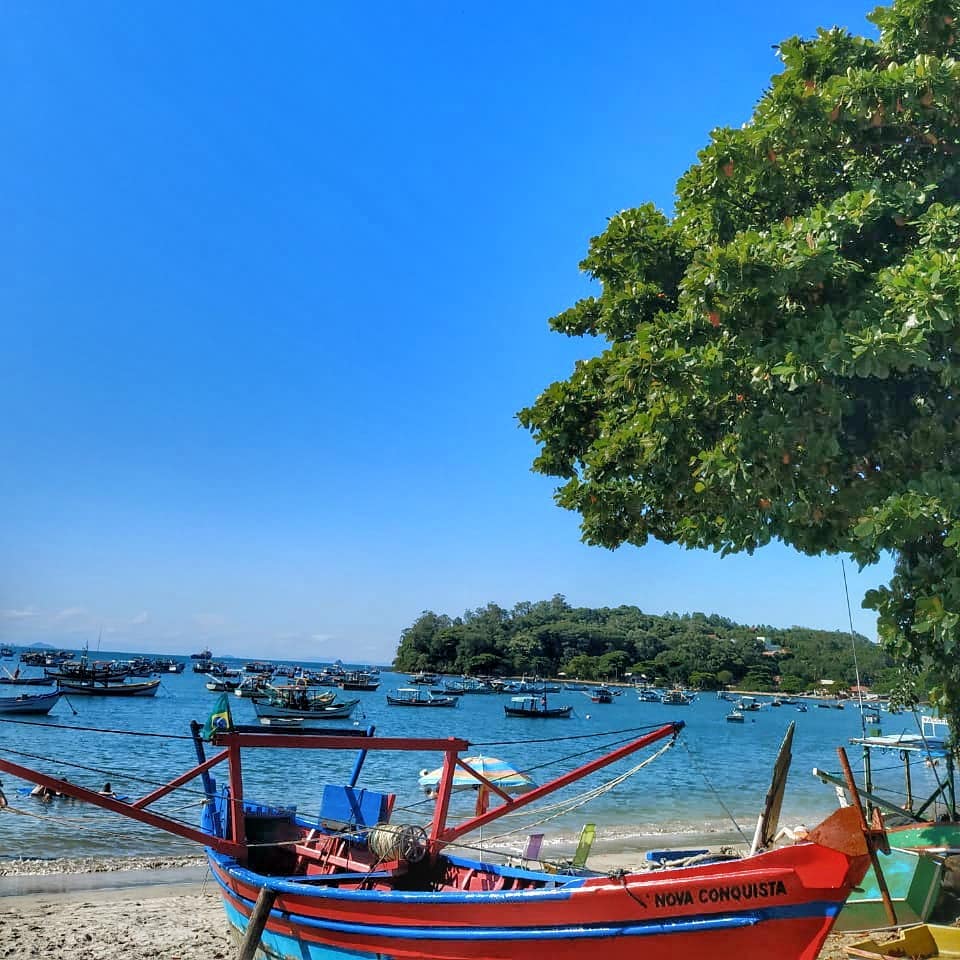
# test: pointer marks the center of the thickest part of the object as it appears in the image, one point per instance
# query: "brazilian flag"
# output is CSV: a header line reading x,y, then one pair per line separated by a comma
x,y
219,719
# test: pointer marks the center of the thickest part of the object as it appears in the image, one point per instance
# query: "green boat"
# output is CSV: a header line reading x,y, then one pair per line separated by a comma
x,y
913,869
913,880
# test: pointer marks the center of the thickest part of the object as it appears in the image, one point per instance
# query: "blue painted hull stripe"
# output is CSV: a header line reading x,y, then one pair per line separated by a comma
x,y
692,924
258,880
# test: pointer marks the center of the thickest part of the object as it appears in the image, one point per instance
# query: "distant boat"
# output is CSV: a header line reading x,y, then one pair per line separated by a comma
x,y
202,655
16,679
535,708
109,688
676,698
411,697
429,679
358,680
600,695
35,703
316,709
735,716
6,652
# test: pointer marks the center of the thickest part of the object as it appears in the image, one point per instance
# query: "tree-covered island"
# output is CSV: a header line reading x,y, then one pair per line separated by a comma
x,y
706,651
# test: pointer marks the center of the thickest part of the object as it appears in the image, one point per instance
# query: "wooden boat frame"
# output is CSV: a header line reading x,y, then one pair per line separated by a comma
x,y
791,895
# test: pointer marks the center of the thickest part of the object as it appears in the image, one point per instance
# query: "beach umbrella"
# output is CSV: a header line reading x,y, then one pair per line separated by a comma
x,y
498,772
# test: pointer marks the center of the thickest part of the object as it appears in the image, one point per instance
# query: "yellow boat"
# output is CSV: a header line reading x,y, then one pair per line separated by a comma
x,y
918,943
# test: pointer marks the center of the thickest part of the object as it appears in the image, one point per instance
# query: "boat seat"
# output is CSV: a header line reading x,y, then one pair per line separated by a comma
x,y
346,808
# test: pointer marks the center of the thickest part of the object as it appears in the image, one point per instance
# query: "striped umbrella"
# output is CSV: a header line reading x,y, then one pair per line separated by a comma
x,y
498,772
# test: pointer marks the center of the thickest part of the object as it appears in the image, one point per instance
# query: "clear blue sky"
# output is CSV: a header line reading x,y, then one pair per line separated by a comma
x,y
274,281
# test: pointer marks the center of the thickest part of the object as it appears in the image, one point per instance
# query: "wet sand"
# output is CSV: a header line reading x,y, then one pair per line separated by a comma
x,y
146,911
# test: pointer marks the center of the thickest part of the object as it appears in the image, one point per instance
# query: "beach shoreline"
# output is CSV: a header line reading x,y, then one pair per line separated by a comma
x,y
138,908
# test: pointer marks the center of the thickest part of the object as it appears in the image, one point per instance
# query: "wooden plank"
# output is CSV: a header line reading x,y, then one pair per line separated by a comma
x,y
256,923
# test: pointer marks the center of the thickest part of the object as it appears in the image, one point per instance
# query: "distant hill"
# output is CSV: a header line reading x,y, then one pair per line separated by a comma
x,y
550,637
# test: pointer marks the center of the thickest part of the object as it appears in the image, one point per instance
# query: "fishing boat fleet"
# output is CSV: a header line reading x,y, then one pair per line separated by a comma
x,y
360,878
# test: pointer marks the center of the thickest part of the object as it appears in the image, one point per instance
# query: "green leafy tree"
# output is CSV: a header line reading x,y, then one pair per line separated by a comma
x,y
781,358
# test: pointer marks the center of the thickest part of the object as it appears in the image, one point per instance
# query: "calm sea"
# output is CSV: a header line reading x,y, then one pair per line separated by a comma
x,y
711,782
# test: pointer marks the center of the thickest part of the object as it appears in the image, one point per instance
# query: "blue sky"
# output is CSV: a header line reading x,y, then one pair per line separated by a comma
x,y
274,283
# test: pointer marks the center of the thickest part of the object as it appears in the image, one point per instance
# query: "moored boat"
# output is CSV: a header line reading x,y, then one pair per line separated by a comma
x,y
535,708
313,708
31,703
349,883
109,688
418,697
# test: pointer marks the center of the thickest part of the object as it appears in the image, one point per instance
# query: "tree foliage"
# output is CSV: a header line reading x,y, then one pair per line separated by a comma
x,y
548,637
783,354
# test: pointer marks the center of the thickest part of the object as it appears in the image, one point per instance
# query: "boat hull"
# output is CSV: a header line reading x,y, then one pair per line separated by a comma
x,y
548,713
339,711
29,703
765,907
98,689
914,883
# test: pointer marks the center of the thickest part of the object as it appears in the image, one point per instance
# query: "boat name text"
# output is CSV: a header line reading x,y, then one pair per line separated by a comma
x,y
761,890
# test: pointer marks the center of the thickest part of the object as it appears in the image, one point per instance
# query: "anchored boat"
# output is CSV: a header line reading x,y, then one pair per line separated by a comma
x,y
356,881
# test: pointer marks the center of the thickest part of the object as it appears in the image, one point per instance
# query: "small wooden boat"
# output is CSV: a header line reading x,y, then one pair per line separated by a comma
x,y
281,723
349,883
919,943
535,708
35,703
413,697
109,688
253,686
358,680
22,681
425,679
913,880
315,709
676,698
221,684
600,695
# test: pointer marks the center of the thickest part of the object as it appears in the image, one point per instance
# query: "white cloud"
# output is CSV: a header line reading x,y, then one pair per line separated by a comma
x,y
70,613
22,614
321,637
140,618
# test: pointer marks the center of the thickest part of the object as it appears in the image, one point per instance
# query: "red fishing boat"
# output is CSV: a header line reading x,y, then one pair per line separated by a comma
x,y
354,882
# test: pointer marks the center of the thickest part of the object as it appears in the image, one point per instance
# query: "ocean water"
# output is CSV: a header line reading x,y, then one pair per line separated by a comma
x,y
711,782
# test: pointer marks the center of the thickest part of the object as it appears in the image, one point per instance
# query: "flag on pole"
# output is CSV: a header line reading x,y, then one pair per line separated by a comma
x,y
219,718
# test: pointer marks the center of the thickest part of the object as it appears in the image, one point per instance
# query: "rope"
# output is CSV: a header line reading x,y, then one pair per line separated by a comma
x,y
713,790
578,736
578,801
121,777
124,733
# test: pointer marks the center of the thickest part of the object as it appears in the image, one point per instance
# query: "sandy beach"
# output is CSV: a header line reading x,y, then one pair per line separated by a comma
x,y
134,909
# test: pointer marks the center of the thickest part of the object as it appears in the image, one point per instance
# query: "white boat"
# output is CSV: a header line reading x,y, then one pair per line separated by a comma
x,y
36,703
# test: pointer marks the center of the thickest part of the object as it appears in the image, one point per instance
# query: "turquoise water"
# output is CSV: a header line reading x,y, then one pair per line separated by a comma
x,y
717,771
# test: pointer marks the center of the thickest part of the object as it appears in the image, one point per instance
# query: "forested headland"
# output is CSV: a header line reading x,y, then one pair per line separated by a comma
x,y
549,638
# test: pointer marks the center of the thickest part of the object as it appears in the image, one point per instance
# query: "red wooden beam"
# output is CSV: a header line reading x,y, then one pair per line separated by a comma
x,y
128,810
446,835
224,738
180,781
